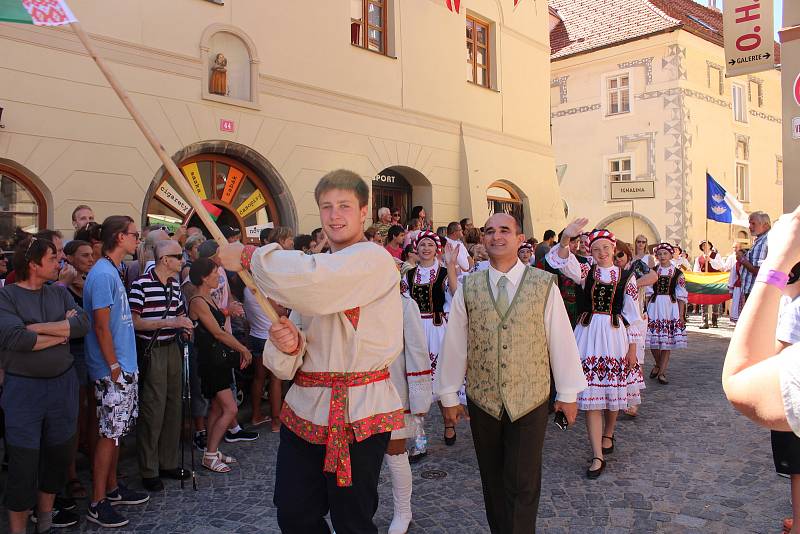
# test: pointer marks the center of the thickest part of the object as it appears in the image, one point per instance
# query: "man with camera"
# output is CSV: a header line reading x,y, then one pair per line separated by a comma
x,y
159,317
498,321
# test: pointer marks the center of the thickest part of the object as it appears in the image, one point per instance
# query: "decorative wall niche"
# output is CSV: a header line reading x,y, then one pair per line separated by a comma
x,y
230,66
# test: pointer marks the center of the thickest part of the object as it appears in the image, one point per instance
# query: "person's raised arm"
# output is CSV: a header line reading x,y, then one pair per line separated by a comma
x,y
453,268
647,279
751,376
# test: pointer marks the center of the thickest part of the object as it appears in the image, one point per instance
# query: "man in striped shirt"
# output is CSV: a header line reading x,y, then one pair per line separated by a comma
x,y
159,317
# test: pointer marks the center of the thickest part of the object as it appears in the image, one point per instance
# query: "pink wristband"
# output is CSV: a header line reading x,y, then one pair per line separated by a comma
x,y
773,278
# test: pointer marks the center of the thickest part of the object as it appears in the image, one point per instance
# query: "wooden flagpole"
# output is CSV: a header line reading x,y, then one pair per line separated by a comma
x,y
172,169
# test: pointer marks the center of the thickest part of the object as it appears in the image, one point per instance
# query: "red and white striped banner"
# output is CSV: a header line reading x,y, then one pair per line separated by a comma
x,y
453,5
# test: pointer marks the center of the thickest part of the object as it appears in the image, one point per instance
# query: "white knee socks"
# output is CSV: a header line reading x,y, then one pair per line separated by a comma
x,y
400,473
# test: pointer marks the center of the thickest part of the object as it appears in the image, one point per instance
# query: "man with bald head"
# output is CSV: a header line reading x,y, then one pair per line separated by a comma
x,y
159,317
506,330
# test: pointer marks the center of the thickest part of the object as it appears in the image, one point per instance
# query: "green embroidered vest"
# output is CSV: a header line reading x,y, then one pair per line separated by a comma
x,y
508,362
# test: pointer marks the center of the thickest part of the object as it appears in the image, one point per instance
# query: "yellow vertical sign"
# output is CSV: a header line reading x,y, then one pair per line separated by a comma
x,y
193,175
253,202
232,184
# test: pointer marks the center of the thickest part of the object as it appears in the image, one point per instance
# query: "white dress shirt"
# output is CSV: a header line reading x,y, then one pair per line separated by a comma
x,y
564,358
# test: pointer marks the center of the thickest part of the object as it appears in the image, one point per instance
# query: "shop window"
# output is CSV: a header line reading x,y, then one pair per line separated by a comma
x,y
22,205
232,193
502,198
478,52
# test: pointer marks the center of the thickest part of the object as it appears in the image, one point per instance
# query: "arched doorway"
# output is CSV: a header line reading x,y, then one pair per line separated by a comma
x,y
502,198
391,189
22,205
232,191
626,226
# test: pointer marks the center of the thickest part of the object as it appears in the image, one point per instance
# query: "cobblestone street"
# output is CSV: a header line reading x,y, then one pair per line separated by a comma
x,y
688,463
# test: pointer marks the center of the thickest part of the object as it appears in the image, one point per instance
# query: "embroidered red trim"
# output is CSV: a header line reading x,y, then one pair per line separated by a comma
x,y
338,434
419,373
353,315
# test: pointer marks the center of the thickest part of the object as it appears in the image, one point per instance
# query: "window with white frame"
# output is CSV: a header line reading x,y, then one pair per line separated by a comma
x,y
618,94
619,169
742,170
739,103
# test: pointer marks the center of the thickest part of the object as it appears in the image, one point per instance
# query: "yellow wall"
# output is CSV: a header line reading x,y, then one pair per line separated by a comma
x,y
688,124
322,103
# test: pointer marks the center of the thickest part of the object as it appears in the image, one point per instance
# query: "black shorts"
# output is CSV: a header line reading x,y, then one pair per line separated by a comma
x,y
786,452
213,378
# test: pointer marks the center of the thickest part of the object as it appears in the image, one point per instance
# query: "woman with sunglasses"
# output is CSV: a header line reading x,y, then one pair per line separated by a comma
x,y
641,252
666,308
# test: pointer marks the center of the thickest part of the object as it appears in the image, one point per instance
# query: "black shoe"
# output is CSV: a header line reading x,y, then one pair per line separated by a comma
x,y
609,450
177,473
452,440
597,472
200,440
242,435
152,484
61,518
105,516
64,503
123,495
414,458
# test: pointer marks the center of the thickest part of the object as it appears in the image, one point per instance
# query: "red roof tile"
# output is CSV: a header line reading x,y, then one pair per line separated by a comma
x,y
590,24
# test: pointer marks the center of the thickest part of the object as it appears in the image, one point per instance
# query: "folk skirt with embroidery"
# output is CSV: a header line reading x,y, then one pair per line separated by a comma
x,y
435,336
665,327
603,349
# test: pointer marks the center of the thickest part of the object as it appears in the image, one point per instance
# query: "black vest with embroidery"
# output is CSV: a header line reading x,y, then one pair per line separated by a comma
x,y
665,285
430,296
604,298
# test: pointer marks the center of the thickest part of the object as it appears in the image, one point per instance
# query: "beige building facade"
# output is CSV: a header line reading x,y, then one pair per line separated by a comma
x,y
640,116
256,100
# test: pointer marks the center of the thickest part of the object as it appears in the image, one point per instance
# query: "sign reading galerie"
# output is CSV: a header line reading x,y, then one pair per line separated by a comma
x,y
749,46
633,190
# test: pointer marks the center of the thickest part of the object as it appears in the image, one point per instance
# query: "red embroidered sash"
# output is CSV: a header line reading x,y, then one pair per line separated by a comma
x,y
337,448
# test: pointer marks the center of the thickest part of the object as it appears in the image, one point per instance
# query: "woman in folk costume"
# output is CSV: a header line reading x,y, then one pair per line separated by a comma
x,y
666,305
411,376
525,254
607,308
735,284
432,285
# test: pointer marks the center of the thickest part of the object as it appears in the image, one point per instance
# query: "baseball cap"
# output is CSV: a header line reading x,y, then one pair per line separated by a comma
x,y
207,248
230,231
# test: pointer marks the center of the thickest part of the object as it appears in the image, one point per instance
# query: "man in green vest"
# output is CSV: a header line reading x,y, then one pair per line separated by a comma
x,y
506,330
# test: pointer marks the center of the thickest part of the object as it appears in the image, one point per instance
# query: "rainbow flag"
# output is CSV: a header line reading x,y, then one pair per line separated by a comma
x,y
707,288
38,12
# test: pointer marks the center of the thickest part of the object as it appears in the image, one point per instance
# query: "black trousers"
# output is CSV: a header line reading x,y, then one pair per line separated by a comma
x,y
510,462
304,493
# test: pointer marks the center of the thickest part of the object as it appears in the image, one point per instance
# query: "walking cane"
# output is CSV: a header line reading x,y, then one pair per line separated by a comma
x,y
187,408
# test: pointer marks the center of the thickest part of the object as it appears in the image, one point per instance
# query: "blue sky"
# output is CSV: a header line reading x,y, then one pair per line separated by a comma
x,y
778,11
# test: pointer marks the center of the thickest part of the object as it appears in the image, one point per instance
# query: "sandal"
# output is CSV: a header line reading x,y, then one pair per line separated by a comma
x,y
608,450
264,420
662,379
451,440
212,462
654,372
226,459
76,489
632,412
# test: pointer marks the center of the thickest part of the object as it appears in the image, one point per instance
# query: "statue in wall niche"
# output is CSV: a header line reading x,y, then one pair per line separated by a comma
x,y
218,84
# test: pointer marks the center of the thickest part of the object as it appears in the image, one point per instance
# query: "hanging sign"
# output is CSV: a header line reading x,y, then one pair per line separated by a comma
x,y
172,198
254,232
749,45
232,184
192,173
253,202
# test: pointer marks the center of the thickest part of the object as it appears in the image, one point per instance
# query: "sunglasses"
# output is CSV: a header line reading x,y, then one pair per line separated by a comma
x,y
395,215
641,242
619,255
28,249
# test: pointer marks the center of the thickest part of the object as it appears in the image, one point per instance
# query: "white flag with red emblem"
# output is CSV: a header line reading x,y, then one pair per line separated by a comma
x,y
453,5
37,12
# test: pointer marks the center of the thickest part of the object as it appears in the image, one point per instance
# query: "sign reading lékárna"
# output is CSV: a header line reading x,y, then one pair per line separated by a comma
x,y
749,45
